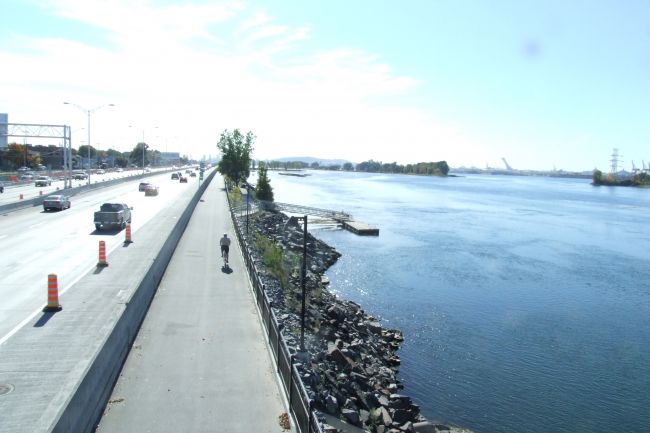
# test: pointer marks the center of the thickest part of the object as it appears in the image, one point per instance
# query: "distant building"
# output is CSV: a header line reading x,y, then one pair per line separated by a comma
x,y
4,130
168,158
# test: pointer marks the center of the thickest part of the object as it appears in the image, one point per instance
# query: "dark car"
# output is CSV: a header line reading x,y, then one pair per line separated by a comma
x,y
143,186
192,174
58,202
183,179
175,176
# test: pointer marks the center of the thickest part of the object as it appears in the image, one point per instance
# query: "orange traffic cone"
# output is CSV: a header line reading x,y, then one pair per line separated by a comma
x,y
52,295
127,239
102,255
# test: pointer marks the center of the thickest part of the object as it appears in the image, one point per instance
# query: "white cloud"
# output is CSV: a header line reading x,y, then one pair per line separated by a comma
x,y
194,71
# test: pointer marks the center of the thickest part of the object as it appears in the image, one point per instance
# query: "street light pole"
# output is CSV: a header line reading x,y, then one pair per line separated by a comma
x,y
302,283
88,113
303,278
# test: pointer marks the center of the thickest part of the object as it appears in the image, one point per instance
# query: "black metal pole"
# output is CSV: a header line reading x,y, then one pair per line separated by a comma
x,y
248,191
304,276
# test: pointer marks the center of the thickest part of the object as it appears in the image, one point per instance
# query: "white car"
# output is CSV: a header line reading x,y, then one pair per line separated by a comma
x,y
43,181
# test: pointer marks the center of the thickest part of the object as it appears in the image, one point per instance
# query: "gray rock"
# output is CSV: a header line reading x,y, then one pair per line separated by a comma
x,y
352,416
424,427
331,405
401,416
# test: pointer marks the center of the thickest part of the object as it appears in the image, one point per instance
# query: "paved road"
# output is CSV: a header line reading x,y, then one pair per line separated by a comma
x,y
199,363
34,243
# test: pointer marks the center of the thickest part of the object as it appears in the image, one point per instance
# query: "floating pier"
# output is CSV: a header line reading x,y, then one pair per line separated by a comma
x,y
361,229
338,217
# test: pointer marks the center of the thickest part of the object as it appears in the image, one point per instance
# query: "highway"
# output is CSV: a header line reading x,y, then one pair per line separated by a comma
x,y
29,190
34,243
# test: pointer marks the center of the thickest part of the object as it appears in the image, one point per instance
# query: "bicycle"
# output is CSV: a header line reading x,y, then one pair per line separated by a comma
x,y
224,256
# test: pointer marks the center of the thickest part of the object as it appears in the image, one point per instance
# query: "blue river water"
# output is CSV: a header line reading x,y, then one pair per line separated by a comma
x,y
524,301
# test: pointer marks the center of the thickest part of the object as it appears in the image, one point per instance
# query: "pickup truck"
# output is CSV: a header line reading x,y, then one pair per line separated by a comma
x,y
113,215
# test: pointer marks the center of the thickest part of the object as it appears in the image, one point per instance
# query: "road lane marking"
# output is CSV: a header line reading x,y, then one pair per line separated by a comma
x,y
61,292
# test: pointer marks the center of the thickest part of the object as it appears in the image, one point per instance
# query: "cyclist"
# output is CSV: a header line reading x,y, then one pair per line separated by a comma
x,y
225,246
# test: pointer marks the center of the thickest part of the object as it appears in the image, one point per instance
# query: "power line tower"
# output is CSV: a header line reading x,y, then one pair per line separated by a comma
x,y
615,160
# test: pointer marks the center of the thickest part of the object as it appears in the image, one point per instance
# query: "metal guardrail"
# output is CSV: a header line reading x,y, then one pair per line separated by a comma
x,y
306,210
300,404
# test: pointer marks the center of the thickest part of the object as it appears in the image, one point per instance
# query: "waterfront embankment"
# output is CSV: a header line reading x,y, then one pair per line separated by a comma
x,y
349,365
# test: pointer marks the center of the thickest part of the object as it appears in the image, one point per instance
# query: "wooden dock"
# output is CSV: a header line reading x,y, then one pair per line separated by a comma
x,y
361,229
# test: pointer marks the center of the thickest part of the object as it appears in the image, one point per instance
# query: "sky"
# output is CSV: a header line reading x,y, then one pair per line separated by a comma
x,y
545,85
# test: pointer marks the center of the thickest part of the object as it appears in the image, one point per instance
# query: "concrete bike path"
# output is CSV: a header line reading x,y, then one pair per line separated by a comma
x,y
199,362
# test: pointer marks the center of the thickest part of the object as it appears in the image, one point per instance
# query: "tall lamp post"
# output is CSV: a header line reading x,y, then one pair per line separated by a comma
x,y
144,146
88,113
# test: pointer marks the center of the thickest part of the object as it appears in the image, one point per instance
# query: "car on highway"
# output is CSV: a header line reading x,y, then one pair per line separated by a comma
x,y
27,176
112,215
58,202
100,171
151,190
79,175
143,186
119,170
43,181
183,179
174,176
193,174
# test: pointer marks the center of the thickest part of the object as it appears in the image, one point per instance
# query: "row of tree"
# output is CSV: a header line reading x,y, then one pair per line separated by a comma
x,y
639,179
17,155
439,168
235,164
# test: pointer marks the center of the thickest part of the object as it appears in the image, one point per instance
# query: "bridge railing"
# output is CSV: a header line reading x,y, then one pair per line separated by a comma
x,y
300,404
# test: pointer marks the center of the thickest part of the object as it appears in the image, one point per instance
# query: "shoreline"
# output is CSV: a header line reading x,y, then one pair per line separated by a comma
x,y
349,366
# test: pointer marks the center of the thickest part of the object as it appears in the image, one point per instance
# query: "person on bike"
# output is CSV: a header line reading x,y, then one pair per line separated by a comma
x,y
225,245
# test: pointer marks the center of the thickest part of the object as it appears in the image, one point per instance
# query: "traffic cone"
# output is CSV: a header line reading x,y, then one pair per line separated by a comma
x,y
21,196
102,255
127,239
52,295
40,192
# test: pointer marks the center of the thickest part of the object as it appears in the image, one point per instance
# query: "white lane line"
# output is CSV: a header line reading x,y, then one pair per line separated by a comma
x,y
29,318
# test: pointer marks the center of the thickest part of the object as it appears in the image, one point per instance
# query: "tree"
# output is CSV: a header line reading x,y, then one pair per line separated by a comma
x,y
236,152
263,190
136,155
16,154
597,177
348,166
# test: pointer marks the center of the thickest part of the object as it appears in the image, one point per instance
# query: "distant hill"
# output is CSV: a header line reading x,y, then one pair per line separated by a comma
x,y
309,160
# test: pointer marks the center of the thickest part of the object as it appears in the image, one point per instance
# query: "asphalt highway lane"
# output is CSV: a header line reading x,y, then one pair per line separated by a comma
x,y
34,243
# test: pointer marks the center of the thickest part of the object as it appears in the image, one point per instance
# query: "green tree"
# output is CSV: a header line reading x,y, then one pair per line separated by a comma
x,y
236,152
136,155
16,154
83,151
348,166
597,177
263,190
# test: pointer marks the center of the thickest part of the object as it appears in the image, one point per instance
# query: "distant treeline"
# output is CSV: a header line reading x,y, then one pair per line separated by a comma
x,y
640,179
439,168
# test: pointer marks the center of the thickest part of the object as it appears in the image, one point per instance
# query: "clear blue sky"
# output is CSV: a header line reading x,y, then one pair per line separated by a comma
x,y
543,84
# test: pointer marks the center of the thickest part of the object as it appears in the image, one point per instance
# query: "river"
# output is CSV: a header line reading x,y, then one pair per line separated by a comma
x,y
524,301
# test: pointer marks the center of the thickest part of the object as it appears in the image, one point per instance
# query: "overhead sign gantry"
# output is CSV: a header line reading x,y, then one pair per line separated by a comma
x,y
29,130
